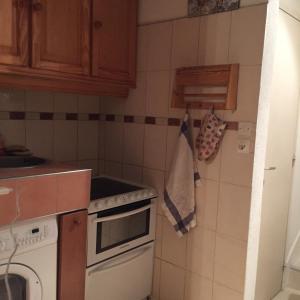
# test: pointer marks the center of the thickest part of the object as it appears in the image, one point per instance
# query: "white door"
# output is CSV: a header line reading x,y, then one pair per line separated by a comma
x,y
24,283
279,164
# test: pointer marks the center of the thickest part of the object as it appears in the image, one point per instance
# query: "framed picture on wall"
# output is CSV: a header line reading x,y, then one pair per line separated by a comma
x,y
206,7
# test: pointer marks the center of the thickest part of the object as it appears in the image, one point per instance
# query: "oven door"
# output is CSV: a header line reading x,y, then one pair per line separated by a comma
x,y
116,230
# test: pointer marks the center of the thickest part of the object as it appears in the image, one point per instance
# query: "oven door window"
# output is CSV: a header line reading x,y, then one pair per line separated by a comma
x,y
127,227
17,286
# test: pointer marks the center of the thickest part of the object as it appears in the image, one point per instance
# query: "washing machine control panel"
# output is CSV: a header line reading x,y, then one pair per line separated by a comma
x,y
29,235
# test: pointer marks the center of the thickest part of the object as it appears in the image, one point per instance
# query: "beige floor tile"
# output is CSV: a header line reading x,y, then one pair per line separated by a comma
x,y
200,251
197,287
171,282
234,210
230,260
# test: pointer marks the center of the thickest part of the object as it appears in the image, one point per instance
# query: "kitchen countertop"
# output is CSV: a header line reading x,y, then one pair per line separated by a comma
x,y
41,170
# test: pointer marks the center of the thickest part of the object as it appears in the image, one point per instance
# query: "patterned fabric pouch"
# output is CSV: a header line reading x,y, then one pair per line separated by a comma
x,y
210,136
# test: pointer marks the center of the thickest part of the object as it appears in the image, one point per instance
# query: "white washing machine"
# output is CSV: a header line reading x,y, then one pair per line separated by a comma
x,y
32,273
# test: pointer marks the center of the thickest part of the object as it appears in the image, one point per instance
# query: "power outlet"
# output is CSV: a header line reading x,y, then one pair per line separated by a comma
x,y
243,146
246,129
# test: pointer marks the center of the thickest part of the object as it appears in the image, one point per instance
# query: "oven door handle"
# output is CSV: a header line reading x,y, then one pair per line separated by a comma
x,y
120,261
123,215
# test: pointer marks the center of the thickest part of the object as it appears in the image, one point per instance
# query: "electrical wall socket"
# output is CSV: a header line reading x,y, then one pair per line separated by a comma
x,y
243,146
245,129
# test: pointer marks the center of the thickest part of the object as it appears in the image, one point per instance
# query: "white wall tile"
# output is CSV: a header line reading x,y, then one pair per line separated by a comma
x,y
39,138
156,279
200,251
142,48
88,140
132,173
159,46
172,140
133,143
247,37
101,144
135,104
236,168
90,164
39,101
113,105
234,208
248,94
114,141
171,282
173,247
88,104
223,293
185,42
214,39
113,169
230,262
197,287
13,132
65,140
67,103
155,146
207,204
12,100
158,90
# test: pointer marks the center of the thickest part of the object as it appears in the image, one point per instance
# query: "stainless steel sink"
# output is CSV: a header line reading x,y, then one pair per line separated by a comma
x,y
20,161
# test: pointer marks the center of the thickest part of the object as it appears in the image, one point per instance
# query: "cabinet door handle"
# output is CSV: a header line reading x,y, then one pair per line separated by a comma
x,y
37,6
271,169
98,24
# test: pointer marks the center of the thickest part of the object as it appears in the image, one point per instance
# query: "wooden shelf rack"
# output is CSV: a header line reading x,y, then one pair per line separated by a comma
x,y
205,87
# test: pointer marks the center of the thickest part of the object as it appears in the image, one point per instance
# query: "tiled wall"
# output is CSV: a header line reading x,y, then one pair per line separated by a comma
x,y
60,127
208,263
136,138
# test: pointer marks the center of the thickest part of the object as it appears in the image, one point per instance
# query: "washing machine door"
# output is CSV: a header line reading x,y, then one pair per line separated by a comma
x,y
24,283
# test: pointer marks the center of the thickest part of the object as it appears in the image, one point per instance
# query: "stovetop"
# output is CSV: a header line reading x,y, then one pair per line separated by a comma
x,y
109,192
102,187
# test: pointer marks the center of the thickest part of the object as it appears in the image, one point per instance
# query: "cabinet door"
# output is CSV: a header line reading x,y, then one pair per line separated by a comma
x,y
114,39
61,35
72,256
14,32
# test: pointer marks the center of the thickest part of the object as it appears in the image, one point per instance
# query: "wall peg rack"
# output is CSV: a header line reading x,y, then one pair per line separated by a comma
x,y
205,87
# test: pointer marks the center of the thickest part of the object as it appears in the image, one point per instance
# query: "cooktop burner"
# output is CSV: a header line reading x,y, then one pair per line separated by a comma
x,y
102,187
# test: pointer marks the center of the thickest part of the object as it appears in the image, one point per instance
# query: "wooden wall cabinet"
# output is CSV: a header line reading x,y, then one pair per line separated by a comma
x,y
13,33
114,39
72,253
73,46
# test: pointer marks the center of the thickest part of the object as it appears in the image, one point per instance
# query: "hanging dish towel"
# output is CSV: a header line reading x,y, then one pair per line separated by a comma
x,y
179,199
210,136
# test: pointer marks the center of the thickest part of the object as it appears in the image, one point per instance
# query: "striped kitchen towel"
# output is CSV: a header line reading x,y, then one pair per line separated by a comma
x,y
179,203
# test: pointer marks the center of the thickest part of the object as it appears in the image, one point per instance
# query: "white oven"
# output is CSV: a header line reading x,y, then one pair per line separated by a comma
x,y
119,229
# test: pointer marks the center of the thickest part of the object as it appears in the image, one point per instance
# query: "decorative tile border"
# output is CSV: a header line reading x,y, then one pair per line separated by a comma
x,y
150,120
